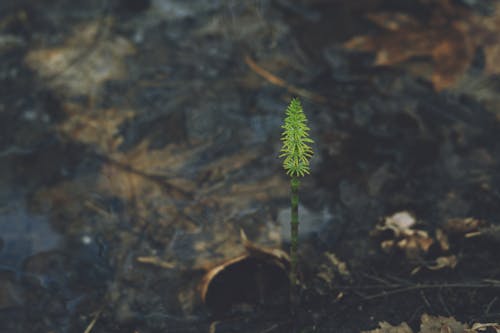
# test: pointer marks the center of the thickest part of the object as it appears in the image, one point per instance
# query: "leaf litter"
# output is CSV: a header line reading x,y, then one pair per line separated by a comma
x,y
436,324
450,37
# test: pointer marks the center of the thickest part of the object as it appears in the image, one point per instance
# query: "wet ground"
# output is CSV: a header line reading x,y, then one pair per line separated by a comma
x,y
139,138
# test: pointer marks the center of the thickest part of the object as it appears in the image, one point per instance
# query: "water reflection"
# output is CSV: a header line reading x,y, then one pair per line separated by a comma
x,y
23,234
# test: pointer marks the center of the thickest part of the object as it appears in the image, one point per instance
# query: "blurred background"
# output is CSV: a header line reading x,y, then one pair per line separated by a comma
x,y
137,138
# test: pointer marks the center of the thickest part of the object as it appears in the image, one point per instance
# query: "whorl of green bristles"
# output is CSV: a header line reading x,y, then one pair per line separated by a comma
x,y
295,138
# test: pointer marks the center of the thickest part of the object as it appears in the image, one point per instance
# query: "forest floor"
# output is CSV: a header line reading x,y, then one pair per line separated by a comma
x,y
140,185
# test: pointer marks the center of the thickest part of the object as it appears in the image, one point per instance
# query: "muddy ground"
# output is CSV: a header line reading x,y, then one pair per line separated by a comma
x,y
139,138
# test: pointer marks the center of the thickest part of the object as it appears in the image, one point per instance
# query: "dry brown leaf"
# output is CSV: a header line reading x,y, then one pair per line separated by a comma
x,y
265,263
415,244
412,241
436,324
100,128
75,70
449,38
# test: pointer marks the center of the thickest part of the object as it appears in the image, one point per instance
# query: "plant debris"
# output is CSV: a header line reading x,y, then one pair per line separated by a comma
x,y
398,232
450,37
75,70
258,276
402,235
436,324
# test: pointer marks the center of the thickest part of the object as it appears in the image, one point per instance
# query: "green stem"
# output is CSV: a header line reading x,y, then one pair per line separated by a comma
x,y
294,229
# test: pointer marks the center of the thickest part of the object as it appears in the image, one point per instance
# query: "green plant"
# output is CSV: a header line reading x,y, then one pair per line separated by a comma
x,y
297,152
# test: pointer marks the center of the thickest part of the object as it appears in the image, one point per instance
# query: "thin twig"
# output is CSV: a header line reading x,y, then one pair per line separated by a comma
x,y
282,83
484,284
490,304
443,303
429,286
92,323
426,301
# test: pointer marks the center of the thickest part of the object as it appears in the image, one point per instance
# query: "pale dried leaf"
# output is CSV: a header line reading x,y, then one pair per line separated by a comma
x,y
400,223
463,225
339,265
413,242
480,327
442,239
385,327
438,324
443,262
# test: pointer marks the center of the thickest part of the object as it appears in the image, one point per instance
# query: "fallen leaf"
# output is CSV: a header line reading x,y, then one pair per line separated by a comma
x,y
245,279
438,324
443,240
478,328
334,266
443,262
72,69
385,327
400,223
463,225
413,242
338,264
449,38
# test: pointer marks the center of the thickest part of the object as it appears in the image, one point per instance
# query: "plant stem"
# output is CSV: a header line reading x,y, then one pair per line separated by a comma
x,y
294,229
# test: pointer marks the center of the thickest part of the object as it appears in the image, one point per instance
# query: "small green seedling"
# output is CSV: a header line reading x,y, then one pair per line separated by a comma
x,y
297,152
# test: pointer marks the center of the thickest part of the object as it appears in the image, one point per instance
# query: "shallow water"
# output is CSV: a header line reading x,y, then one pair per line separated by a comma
x,y
23,235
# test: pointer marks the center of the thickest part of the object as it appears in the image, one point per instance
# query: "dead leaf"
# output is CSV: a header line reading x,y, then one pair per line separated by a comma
x,y
449,38
463,225
385,327
256,270
438,324
443,240
400,223
334,266
338,264
387,245
443,262
478,327
413,242
76,71
100,128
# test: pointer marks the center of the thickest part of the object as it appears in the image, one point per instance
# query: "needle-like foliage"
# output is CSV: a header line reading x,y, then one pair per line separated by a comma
x,y
297,152
295,138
